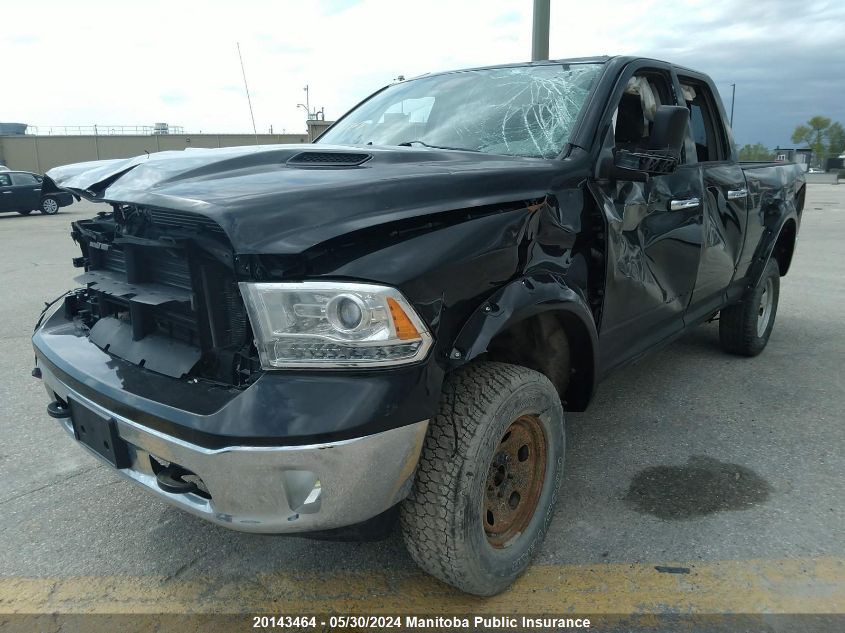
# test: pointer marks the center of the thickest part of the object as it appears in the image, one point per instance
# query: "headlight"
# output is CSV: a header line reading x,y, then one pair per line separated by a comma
x,y
328,324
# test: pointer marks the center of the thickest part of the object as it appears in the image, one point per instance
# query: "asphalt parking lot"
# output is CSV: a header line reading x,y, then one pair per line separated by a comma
x,y
731,468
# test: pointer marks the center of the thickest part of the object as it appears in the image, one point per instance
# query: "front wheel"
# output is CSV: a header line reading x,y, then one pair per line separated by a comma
x,y
745,328
49,205
488,477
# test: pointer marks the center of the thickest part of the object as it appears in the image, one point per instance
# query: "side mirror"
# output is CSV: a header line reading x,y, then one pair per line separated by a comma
x,y
639,165
669,129
663,152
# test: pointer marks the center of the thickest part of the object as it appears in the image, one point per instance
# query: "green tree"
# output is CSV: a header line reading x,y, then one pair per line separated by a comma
x,y
756,152
836,139
818,130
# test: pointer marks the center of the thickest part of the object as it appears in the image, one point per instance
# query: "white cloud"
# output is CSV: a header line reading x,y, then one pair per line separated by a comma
x,y
110,63
86,62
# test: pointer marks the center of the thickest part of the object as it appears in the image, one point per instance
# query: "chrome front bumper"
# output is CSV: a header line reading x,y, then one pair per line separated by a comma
x,y
272,489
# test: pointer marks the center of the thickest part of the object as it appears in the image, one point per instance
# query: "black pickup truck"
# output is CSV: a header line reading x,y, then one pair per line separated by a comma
x,y
394,319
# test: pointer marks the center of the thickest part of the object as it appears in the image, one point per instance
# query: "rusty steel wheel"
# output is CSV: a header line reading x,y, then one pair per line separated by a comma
x,y
514,481
488,477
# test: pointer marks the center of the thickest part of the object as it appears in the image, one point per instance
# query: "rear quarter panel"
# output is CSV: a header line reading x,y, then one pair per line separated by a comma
x,y
773,193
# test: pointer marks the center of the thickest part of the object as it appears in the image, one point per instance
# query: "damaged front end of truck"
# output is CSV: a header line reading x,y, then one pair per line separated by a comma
x,y
155,363
159,289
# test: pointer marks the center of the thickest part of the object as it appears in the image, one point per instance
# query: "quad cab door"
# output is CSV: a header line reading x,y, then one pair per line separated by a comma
x,y
725,197
654,231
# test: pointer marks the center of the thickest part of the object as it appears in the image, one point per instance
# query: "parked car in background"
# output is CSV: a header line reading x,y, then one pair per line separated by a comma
x,y
4,168
21,191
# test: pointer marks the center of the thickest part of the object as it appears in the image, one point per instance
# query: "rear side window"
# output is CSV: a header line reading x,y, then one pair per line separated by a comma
x,y
24,179
706,127
5,181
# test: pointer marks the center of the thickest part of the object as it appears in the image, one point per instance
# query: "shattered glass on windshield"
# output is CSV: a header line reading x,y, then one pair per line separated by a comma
x,y
519,111
534,112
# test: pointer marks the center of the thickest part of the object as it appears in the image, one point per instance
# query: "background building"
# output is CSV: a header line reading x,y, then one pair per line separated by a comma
x,y
23,147
801,156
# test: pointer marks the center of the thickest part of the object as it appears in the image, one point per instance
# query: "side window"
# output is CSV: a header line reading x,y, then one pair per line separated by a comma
x,y
637,107
24,179
5,181
706,127
699,132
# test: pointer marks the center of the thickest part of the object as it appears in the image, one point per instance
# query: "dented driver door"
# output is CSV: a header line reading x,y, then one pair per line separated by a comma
x,y
653,249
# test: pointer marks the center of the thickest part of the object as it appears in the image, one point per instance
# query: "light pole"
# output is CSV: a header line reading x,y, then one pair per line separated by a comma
x,y
733,98
540,32
306,105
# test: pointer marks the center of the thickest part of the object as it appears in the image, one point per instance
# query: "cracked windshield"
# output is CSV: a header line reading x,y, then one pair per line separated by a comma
x,y
519,111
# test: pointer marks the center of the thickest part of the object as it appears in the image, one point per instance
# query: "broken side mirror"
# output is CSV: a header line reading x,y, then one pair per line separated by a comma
x,y
640,164
663,152
669,130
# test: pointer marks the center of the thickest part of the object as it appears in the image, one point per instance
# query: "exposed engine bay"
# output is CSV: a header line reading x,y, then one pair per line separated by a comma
x,y
160,292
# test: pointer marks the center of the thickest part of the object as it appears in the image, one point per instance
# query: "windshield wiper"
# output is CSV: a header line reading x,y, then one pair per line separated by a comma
x,y
424,144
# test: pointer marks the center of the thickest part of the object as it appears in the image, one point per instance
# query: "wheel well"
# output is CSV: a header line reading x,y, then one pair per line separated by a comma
x,y
785,246
800,199
558,345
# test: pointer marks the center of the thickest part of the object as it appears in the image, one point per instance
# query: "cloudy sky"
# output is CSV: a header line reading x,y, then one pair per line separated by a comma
x,y
113,63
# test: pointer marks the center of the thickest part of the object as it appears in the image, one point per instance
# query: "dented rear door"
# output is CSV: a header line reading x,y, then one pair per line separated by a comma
x,y
725,195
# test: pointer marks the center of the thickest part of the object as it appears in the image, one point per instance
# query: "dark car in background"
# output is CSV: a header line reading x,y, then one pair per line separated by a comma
x,y
22,191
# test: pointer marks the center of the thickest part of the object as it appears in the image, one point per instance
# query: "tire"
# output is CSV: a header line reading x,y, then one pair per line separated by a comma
x,y
25,212
744,328
49,205
473,462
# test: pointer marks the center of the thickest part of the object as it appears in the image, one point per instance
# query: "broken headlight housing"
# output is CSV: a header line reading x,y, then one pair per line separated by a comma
x,y
322,324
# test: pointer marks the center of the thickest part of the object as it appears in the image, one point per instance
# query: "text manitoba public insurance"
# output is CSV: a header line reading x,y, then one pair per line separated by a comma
x,y
496,622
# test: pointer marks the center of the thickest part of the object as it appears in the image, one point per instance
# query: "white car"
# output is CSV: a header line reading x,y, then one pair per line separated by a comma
x,y
4,168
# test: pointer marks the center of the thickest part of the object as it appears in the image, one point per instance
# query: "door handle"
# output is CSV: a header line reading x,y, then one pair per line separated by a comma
x,y
680,205
5,192
735,194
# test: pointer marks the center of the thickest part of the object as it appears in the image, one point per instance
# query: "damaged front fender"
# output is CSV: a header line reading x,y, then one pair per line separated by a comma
x,y
526,298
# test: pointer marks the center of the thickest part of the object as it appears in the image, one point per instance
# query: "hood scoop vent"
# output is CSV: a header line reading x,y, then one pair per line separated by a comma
x,y
329,159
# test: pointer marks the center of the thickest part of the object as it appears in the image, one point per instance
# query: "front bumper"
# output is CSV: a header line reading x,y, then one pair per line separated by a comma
x,y
272,489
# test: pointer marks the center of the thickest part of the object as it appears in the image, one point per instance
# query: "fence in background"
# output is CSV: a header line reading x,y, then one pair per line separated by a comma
x,y
40,153
103,130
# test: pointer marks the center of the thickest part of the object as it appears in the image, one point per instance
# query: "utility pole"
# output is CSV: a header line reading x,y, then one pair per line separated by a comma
x,y
540,32
733,98
306,105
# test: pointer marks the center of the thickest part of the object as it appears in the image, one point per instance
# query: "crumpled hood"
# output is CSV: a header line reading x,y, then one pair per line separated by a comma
x,y
269,205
